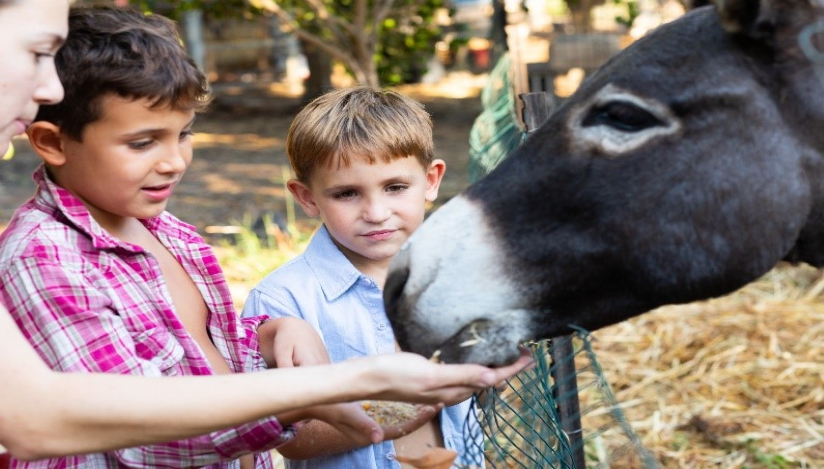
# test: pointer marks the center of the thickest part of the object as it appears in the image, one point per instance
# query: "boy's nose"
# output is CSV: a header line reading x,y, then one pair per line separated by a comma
x,y
49,89
176,160
376,211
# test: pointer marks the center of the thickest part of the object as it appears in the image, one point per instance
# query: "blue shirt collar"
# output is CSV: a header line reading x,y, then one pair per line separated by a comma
x,y
334,271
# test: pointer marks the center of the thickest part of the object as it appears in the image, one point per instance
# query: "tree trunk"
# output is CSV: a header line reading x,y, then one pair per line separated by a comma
x,y
581,11
194,38
497,31
320,72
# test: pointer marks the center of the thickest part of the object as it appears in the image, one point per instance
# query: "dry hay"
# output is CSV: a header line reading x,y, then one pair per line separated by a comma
x,y
390,413
734,382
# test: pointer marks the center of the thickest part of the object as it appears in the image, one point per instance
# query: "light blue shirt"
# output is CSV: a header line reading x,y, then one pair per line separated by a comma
x,y
345,306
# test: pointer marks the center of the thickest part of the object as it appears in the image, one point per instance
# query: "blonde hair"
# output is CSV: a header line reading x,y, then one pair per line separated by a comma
x,y
358,122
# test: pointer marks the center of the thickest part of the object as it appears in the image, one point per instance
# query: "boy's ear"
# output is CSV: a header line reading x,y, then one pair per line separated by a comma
x,y
46,140
434,176
304,197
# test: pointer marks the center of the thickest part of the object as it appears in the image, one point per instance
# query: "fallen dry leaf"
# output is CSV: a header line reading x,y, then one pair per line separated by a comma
x,y
435,458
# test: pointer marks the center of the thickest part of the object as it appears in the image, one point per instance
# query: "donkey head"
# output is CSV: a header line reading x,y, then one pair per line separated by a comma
x,y
686,167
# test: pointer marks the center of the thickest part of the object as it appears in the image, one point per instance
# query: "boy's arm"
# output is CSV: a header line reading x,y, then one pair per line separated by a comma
x,y
286,342
289,341
75,326
285,339
317,439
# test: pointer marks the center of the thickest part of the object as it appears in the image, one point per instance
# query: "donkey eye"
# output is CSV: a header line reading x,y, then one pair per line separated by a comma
x,y
621,115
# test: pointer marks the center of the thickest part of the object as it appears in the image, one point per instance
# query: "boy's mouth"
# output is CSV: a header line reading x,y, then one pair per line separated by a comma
x,y
379,235
160,192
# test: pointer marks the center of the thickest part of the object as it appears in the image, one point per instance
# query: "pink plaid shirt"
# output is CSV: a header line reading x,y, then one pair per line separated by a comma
x,y
89,302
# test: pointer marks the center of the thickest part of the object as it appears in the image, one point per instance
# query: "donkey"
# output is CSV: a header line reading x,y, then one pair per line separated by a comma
x,y
687,166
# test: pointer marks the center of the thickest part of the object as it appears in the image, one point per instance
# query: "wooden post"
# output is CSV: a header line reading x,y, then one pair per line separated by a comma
x,y
535,110
565,390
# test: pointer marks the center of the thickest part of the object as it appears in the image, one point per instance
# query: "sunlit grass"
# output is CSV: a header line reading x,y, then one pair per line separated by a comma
x,y
251,255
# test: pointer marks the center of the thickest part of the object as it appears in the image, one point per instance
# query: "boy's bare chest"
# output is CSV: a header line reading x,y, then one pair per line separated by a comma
x,y
188,302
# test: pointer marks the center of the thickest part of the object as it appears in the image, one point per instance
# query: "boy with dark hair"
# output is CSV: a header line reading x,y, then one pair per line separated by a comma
x,y
94,271
364,164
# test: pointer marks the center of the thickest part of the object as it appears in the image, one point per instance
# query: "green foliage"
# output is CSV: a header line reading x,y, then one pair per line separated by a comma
x,y
402,43
406,43
633,10
210,8
250,255
763,460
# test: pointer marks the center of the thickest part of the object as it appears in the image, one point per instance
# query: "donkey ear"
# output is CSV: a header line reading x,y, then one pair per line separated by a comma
x,y
749,17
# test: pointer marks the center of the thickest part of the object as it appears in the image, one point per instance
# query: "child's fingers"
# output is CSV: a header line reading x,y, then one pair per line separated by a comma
x,y
284,356
358,426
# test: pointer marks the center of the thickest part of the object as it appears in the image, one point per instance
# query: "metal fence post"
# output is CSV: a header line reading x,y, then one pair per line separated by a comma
x,y
565,382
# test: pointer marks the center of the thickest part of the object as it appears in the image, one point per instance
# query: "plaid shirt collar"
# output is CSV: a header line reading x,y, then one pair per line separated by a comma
x,y
56,200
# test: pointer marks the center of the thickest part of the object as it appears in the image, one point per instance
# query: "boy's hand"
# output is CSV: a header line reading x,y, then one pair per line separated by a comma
x,y
329,429
424,415
293,342
332,429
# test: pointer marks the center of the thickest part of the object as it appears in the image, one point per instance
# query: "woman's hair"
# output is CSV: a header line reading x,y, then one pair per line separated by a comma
x,y
358,122
122,52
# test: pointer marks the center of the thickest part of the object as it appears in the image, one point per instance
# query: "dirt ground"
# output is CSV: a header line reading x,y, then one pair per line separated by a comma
x,y
239,165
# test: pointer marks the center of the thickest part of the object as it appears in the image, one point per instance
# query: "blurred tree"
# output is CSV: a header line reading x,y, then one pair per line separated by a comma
x,y
379,42
581,12
210,8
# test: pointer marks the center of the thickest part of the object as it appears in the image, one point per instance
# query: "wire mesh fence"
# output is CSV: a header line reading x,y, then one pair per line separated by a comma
x,y
526,423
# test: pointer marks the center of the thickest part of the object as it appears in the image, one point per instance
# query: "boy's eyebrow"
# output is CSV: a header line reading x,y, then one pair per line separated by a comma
x,y
399,178
339,188
405,179
149,131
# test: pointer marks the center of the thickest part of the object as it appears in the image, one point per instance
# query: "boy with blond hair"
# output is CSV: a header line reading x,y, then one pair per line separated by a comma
x,y
363,160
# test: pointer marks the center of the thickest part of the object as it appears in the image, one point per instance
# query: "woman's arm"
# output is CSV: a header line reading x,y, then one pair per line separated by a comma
x,y
45,414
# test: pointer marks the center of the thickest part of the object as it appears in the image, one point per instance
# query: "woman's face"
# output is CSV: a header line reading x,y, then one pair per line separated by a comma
x,y
31,32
